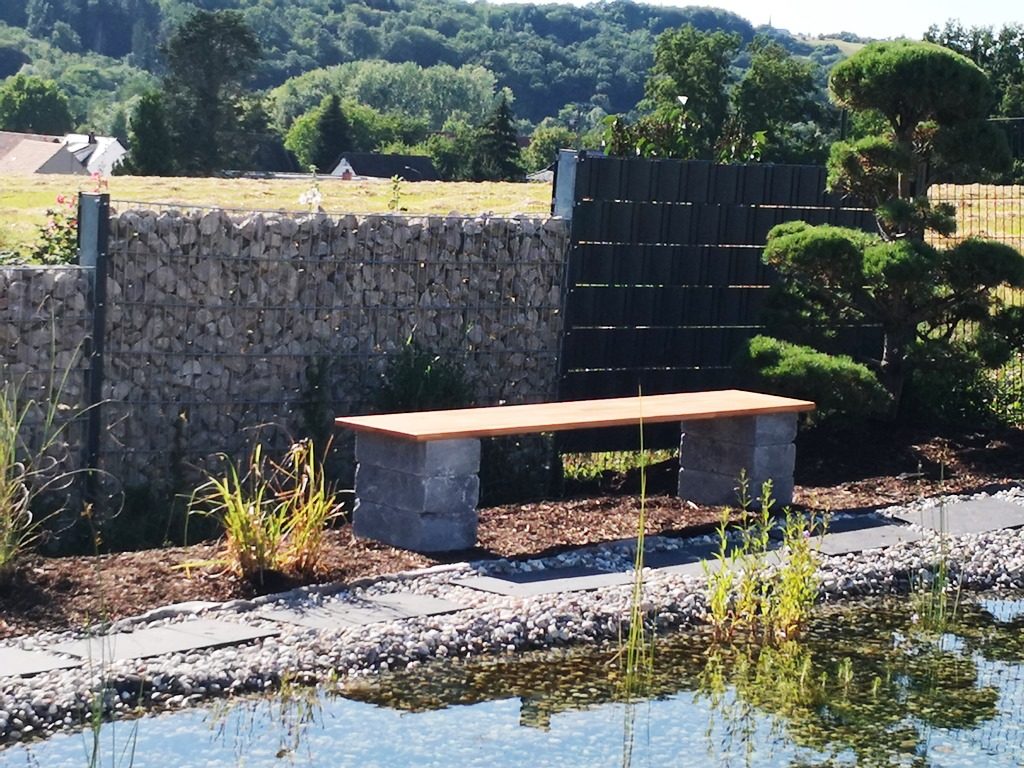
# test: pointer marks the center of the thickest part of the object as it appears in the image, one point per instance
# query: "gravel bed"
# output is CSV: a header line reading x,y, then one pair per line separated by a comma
x,y
490,623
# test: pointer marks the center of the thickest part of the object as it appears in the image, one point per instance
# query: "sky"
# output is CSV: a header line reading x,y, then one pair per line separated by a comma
x,y
867,18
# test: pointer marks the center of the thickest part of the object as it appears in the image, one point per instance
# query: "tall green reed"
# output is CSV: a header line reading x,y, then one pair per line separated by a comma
x,y
637,653
32,453
936,597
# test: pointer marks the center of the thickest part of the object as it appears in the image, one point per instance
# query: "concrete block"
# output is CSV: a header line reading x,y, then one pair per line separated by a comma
x,y
436,457
731,458
713,488
771,429
439,495
413,530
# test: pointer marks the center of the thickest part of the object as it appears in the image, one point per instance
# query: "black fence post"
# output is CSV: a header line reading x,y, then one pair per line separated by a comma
x,y
93,239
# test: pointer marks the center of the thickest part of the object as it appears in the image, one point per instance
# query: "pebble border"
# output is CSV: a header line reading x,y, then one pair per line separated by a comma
x,y
36,706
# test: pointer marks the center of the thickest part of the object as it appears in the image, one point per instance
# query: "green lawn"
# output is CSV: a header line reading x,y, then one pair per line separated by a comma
x,y
24,199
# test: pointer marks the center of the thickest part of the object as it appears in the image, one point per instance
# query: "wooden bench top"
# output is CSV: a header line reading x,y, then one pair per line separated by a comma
x,y
576,414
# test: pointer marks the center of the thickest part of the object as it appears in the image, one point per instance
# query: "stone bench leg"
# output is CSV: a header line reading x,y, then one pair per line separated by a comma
x,y
420,496
712,453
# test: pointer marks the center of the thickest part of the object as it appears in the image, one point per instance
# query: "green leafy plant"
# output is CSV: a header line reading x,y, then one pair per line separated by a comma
x,y
58,237
591,466
395,201
275,515
416,379
746,595
836,383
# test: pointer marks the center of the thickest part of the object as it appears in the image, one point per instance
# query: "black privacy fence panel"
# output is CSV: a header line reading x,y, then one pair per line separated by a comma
x,y
665,281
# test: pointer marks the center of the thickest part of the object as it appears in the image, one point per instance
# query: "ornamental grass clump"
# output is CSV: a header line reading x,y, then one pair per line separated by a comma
x,y
274,516
31,453
748,595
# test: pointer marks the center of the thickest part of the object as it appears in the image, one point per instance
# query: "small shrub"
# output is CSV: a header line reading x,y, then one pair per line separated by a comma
x,y
274,516
950,385
58,238
514,468
418,380
836,383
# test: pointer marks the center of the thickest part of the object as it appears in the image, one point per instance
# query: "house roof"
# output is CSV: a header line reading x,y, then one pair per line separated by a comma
x,y
25,156
99,154
378,166
10,139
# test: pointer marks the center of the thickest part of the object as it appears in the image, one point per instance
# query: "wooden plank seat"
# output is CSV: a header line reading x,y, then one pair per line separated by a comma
x,y
416,477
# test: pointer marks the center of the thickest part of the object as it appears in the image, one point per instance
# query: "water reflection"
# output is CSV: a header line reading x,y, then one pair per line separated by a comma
x,y
865,686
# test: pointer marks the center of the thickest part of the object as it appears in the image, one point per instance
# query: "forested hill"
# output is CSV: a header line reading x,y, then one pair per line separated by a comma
x,y
547,55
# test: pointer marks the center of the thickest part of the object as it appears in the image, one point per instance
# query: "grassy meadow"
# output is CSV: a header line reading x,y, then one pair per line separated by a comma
x,y
25,199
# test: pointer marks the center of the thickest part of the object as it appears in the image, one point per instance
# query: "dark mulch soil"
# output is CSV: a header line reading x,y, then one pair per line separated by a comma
x,y
839,470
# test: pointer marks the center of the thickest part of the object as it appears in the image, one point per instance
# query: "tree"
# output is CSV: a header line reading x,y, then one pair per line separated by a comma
x,y
319,136
998,54
332,134
773,99
209,58
33,105
687,86
545,141
496,148
150,152
921,296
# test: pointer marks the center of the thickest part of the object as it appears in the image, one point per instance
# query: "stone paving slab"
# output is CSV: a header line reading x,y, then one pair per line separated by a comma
x,y
549,581
966,517
415,604
16,662
331,617
838,525
867,538
857,523
156,641
711,564
339,615
694,568
689,554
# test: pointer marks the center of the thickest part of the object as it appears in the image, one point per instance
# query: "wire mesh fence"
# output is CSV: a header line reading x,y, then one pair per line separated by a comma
x,y
220,327
992,212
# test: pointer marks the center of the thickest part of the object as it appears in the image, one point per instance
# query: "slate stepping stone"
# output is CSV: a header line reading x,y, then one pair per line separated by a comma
x,y
696,568
15,662
548,581
340,615
415,604
711,564
156,641
864,539
974,516
691,553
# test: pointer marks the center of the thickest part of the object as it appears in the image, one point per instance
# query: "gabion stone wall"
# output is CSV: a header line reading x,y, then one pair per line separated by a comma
x,y
45,322
220,327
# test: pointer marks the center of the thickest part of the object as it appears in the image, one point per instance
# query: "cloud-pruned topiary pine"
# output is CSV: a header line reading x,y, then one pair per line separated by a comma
x,y
933,103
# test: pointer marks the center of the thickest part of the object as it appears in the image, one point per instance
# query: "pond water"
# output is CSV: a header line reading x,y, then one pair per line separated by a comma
x,y
866,686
